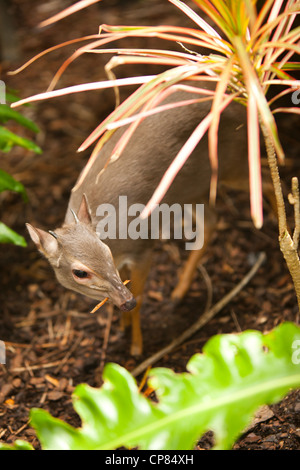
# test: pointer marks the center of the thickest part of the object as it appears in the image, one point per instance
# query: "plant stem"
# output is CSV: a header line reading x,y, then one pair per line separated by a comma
x,y
287,245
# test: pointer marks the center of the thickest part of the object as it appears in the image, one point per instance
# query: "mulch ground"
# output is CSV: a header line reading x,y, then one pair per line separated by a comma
x,y
53,343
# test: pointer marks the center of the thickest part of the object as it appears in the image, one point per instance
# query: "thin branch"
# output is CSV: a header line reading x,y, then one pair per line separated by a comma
x,y
272,161
69,353
286,243
296,204
209,287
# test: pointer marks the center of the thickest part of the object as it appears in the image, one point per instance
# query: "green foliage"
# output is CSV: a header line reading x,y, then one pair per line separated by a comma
x,y
7,182
7,113
7,235
8,140
17,445
221,391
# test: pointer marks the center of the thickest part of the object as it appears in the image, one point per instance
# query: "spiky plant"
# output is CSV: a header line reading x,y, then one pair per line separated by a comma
x,y
251,51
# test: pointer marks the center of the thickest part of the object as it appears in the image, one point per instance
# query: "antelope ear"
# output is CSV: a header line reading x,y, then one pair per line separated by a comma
x,y
45,242
84,213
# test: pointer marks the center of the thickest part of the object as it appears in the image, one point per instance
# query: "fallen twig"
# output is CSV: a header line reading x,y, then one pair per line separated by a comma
x,y
209,287
35,367
70,352
106,299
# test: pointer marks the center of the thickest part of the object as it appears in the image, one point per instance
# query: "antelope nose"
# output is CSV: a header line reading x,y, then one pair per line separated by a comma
x,y
128,305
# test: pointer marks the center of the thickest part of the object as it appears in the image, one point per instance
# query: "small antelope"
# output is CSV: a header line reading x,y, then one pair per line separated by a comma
x,y
83,262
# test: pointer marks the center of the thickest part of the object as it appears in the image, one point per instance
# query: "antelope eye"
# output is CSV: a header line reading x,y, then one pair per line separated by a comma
x,y
80,274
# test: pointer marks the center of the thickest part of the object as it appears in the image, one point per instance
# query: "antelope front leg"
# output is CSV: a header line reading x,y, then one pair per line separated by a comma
x,y
187,275
125,320
139,274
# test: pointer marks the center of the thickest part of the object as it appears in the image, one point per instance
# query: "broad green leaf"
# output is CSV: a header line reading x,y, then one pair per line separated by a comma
x,y
7,182
8,140
7,235
234,376
17,445
225,385
7,113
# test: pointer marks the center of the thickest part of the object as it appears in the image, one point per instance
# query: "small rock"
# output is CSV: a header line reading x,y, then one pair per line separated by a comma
x,y
17,382
271,438
252,437
4,391
297,407
55,395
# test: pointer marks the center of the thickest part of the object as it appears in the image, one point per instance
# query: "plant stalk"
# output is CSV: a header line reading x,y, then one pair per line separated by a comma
x,y
288,245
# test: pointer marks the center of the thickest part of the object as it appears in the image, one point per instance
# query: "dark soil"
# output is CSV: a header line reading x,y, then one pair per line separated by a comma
x,y
52,341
